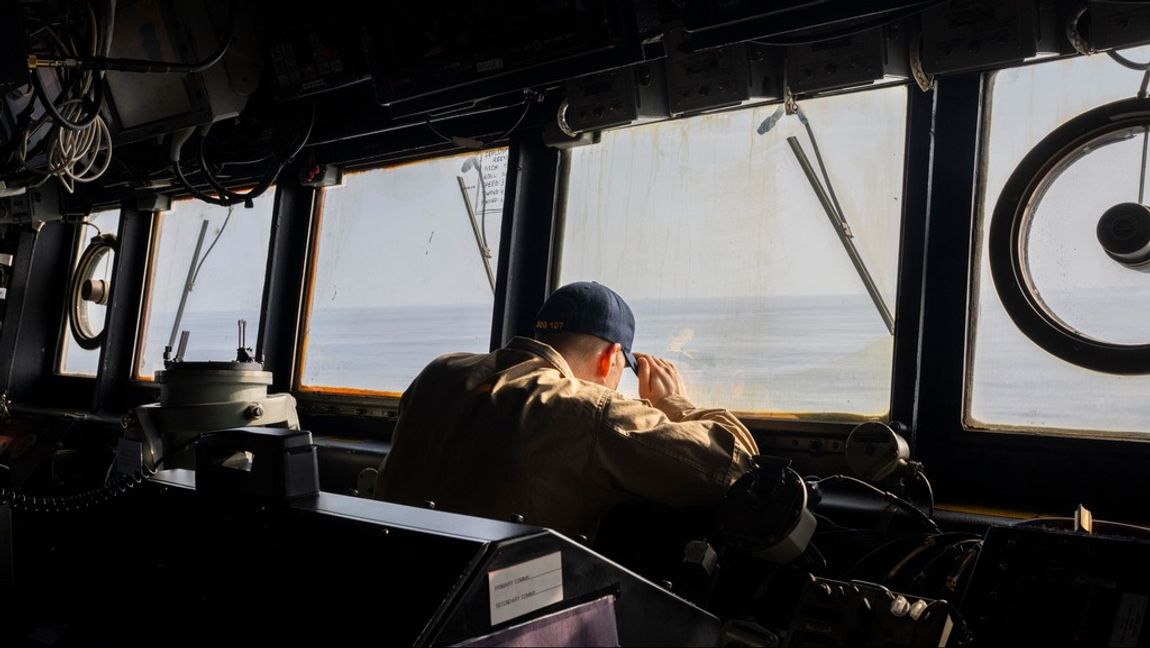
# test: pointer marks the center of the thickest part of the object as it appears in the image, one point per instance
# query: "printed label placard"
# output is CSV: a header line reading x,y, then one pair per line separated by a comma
x,y
526,587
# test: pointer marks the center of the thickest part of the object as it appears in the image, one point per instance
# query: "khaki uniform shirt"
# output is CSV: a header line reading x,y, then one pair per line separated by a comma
x,y
514,432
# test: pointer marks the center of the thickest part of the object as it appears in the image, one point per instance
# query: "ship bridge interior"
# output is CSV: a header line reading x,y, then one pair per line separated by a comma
x,y
905,242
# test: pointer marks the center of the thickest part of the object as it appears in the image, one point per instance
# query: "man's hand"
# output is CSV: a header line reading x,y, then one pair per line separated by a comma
x,y
658,379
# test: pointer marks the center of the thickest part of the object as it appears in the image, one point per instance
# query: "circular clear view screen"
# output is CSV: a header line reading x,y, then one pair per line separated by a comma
x,y
1070,272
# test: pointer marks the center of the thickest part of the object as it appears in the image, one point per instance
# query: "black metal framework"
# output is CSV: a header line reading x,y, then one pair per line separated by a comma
x,y
916,204
528,222
951,192
35,306
284,284
823,437
38,309
944,137
1007,470
376,405
115,389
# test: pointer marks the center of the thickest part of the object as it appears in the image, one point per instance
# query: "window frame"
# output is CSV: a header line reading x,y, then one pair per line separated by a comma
x,y
976,284
970,466
908,274
371,402
146,301
156,231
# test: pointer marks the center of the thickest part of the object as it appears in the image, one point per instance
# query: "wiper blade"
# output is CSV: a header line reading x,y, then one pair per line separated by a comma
x,y
843,230
484,251
191,280
823,167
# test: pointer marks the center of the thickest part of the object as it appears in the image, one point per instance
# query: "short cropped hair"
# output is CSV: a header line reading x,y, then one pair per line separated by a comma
x,y
580,345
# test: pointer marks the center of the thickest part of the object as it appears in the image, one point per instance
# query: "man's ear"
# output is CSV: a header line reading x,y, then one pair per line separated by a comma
x,y
607,360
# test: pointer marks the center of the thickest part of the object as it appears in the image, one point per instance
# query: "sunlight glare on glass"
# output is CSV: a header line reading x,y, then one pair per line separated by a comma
x,y
404,270
711,231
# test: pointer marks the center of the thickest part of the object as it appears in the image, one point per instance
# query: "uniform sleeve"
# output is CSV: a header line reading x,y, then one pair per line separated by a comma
x,y
675,454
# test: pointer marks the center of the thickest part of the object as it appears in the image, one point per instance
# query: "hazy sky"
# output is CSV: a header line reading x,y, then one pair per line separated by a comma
x,y
231,277
402,236
707,207
720,210
1029,103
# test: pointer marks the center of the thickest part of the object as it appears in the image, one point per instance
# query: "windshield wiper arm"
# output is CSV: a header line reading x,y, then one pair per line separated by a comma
x,y
838,220
484,251
184,298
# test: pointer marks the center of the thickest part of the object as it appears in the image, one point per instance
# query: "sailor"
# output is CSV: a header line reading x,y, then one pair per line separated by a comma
x,y
537,430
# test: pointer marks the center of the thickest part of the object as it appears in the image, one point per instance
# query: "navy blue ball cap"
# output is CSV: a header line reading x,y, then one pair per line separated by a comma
x,y
591,308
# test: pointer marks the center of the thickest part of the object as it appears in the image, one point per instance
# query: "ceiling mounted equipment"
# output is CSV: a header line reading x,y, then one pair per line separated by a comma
x,y
440,57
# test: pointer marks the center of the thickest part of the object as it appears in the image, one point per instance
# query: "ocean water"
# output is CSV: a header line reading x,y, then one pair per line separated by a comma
x,y
1016,383
789,354
795,354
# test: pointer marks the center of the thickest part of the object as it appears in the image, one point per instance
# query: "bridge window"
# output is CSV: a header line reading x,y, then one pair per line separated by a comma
x,y
226,279
1013,383
403,271
75,359
713,232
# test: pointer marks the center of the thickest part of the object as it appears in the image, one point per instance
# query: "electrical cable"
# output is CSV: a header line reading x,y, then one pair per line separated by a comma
x,y
955,575
825,523
920,476
85,81
118,486
105,46
225,196
78,145
92,105
928,541
891,497
73,155
918,579
1127,63
914,553
849,575
530,97
215,240
145,66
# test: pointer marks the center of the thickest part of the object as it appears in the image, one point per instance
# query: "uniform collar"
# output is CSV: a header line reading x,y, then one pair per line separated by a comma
x,y
542,350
